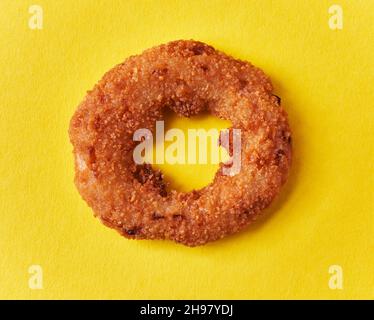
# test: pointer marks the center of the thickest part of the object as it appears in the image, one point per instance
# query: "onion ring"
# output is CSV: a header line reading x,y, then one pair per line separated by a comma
x,y
187,77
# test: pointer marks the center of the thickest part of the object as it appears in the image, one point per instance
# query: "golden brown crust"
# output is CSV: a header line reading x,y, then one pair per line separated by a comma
x,y
188,77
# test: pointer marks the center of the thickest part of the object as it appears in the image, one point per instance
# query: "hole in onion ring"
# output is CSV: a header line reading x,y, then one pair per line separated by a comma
x,y
189,176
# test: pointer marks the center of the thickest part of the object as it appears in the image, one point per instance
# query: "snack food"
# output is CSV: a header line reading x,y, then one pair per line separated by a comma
x,y
187,77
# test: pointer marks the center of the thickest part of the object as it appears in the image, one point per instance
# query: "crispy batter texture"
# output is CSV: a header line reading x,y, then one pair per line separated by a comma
x,y
187,77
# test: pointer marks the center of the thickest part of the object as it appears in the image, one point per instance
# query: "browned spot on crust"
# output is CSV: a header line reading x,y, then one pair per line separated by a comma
x,y
145,173
204,67
132,231
178,216
278,99
199,49
157,216
242,84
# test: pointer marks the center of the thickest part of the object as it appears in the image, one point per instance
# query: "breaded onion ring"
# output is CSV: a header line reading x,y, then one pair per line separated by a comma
x,y
187,77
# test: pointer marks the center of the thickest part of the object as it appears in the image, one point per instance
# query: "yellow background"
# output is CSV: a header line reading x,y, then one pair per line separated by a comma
x,y
323,217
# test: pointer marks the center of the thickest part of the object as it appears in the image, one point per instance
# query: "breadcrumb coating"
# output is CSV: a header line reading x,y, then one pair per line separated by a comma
x,y
188,77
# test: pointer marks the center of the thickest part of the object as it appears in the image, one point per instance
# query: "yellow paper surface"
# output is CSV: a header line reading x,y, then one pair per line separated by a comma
x,y
324,216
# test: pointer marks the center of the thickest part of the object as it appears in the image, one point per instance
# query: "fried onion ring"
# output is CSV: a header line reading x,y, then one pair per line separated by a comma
x,y
188,77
